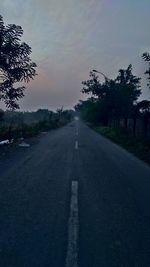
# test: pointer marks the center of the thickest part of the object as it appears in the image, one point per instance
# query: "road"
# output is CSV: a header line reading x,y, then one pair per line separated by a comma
x,y
73,179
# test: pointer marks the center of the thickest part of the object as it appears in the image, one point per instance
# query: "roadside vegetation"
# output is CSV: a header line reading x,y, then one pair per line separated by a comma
x,y
140,147
115,111
15,125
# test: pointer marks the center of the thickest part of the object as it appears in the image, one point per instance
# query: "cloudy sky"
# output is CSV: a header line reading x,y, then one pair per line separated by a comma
x,y
71,37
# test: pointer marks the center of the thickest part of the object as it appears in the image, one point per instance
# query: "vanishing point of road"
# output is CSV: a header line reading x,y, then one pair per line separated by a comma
x,y
74,199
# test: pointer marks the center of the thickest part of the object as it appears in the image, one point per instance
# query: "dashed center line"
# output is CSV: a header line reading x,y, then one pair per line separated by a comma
x,y
73,228
76,145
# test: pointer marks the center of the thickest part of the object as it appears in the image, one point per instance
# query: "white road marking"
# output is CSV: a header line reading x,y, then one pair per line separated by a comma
x,y
73,228
76,145
76,118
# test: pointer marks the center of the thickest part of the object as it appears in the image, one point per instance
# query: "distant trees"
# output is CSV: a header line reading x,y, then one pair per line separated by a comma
x,y
64,115
112,98
89,109
15,64
59,112
44,114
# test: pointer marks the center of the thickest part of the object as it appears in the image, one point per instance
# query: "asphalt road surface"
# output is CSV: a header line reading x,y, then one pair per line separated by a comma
x,y
74,199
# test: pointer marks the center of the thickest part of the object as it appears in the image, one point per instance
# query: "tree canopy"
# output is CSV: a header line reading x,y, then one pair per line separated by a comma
x,y
146,57
113,98
15,64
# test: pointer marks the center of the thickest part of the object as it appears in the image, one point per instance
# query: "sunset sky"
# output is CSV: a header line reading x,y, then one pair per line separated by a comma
x,y
71,37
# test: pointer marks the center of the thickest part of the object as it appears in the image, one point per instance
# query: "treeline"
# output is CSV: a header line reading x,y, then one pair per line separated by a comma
x,y
15,125
115,101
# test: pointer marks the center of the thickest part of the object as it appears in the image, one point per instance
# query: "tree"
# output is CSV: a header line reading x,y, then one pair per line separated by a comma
x,y
128,90
144,107
115,98
144,111
59,111
15,64
146,57
88,109
93,86
1,115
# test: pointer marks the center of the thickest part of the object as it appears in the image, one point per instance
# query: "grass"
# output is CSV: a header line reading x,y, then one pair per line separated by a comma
x,y
24,130
138,146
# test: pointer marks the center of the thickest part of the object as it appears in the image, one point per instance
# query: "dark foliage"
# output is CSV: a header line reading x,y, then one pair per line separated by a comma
x,y
15,64
146,57
112,98
1,115
27,124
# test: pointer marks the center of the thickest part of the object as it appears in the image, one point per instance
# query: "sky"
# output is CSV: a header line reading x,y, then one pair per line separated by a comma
x,y
71,37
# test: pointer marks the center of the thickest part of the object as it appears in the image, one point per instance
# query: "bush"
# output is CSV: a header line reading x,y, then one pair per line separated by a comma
x,y
16,131
138,146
